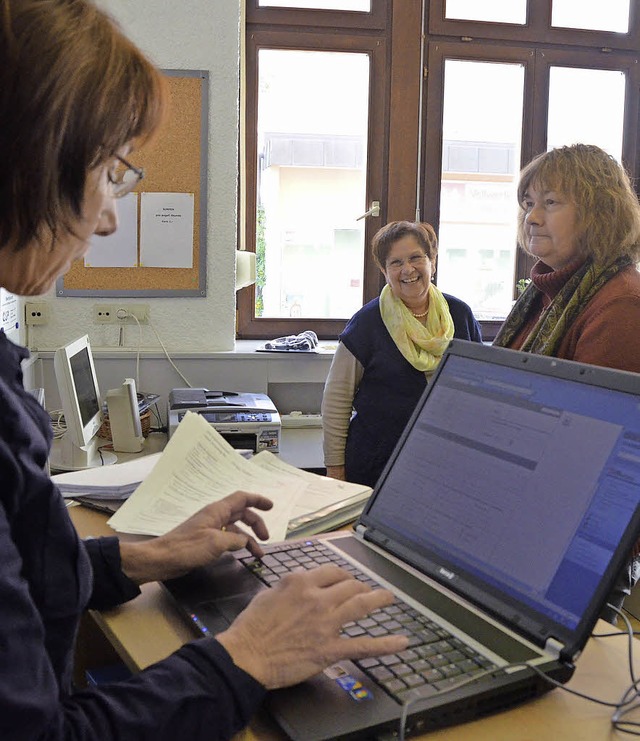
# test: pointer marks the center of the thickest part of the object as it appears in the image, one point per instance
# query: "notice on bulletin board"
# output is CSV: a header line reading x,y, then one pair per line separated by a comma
x,y
9,313
166,230
120,249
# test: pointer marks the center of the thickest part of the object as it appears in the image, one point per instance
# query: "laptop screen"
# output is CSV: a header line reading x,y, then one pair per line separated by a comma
x,y
520,480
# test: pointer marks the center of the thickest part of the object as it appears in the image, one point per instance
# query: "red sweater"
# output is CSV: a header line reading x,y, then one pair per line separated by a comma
x,y
607,331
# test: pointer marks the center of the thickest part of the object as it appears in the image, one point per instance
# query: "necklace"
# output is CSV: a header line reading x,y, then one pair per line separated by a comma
x,y
419,316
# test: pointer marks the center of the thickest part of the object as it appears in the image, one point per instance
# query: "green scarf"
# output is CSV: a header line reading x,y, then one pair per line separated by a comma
x,y
553,324
421,345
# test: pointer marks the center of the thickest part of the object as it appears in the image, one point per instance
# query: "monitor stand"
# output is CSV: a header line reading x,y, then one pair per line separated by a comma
x,y
67,456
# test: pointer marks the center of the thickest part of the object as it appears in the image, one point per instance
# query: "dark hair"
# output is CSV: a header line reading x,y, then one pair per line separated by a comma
x,y
608,212
384,239
73,91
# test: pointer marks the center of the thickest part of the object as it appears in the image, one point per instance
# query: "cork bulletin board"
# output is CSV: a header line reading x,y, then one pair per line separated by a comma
x,y
174,162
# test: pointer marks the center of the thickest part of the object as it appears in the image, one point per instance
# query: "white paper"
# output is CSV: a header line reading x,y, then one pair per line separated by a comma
x,y
166,230
8,311
198,467
320,491
136,469
120,249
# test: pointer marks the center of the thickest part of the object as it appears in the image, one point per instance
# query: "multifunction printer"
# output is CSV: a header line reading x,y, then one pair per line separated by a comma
x,y
246,421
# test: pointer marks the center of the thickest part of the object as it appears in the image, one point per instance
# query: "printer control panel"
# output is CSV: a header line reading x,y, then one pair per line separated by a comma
x,y
237,416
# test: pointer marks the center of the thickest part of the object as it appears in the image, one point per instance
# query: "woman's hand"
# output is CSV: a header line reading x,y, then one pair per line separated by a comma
x,y
336,472
201,539
292,631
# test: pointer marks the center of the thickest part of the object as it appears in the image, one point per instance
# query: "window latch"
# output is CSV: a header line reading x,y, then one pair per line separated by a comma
x,y
373,211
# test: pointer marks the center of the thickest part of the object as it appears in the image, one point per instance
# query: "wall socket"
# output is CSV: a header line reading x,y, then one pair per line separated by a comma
x,y
36,313
117,313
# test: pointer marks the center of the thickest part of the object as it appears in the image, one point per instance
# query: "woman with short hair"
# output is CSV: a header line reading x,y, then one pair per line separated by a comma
x,y
76,96
387,352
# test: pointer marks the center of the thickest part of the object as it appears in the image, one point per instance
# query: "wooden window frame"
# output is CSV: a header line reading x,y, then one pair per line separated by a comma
x,y
376,19
395,49
537,27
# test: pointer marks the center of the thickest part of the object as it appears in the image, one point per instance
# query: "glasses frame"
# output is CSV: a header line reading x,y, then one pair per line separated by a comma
x,y
125,186
414,261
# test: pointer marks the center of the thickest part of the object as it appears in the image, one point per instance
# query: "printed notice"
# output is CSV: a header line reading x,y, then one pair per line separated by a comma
x,y
166,230
9,311
120,249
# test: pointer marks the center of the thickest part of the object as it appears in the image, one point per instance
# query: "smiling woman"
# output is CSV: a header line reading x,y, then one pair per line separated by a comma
x,y
387,352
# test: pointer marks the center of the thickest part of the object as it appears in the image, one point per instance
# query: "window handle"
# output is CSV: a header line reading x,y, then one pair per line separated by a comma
x,y
373,211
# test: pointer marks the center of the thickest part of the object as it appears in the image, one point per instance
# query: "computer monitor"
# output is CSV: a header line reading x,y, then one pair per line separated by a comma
x,y
80,399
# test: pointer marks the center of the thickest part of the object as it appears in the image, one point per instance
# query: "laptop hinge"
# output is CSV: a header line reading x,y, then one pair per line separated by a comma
x,y
554,647
360,530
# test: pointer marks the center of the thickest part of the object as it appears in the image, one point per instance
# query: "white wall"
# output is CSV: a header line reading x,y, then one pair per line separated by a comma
x,y
189,34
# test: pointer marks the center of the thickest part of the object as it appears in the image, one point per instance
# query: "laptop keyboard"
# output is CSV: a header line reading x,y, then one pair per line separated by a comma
x,y
434,660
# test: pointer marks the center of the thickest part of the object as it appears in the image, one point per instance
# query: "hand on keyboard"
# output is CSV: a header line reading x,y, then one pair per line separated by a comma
x,y
293,631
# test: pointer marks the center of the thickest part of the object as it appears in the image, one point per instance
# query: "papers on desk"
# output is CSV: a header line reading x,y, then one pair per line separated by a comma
x,y
198,467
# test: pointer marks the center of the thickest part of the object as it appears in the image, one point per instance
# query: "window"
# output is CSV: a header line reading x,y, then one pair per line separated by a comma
x,y
316,146
311,182
344,109
491,108
361,5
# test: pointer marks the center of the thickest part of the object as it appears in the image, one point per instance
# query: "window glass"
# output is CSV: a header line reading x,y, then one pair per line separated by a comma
x,y
497,11
573,118
593,15
482,123
312,145
362,5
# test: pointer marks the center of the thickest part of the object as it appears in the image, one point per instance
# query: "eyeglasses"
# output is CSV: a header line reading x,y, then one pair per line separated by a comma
x,y
415,261
124,177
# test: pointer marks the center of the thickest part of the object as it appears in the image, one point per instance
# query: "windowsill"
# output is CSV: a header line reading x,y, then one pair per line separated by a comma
x,y
244,349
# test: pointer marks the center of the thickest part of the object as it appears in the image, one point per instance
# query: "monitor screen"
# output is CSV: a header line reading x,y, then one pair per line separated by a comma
x,y
85,388
80,400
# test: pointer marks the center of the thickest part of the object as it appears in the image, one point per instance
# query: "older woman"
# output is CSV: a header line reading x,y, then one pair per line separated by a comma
x,y
387,352
580,218
75,96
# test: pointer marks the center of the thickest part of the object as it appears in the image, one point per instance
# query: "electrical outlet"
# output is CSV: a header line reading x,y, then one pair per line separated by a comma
x,y
36,313
119,313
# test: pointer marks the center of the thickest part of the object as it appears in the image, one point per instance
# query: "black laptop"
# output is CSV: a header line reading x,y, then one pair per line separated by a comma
x,y
502,520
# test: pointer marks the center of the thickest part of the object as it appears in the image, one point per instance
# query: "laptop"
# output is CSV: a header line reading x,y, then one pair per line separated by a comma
x,y
501,522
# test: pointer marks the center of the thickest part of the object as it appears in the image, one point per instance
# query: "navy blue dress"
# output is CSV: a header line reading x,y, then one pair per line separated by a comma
x,y
390,387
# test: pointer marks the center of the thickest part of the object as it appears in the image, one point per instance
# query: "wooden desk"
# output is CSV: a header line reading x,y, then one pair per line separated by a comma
x,y
148,629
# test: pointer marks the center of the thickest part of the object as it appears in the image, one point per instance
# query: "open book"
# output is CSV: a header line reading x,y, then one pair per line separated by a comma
x,y
198,466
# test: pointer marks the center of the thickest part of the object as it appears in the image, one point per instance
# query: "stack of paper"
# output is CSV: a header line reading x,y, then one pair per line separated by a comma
x,y
198,467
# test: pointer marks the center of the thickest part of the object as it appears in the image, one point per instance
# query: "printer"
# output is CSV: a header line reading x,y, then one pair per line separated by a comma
x,y
245,421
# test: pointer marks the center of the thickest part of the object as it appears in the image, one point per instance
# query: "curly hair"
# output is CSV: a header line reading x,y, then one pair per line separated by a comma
x,y
384,239
607,208
73,91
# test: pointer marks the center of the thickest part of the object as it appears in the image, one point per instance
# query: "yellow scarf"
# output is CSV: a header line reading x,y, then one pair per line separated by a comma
x,y
421,344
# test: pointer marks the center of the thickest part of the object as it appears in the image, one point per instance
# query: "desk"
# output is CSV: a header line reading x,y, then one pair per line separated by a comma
x,y
148,629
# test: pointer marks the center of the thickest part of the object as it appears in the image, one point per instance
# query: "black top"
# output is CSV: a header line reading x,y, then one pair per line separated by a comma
x,y
48,576
390,387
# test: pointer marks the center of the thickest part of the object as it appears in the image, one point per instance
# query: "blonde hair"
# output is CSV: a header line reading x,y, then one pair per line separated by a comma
x,y
607,208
